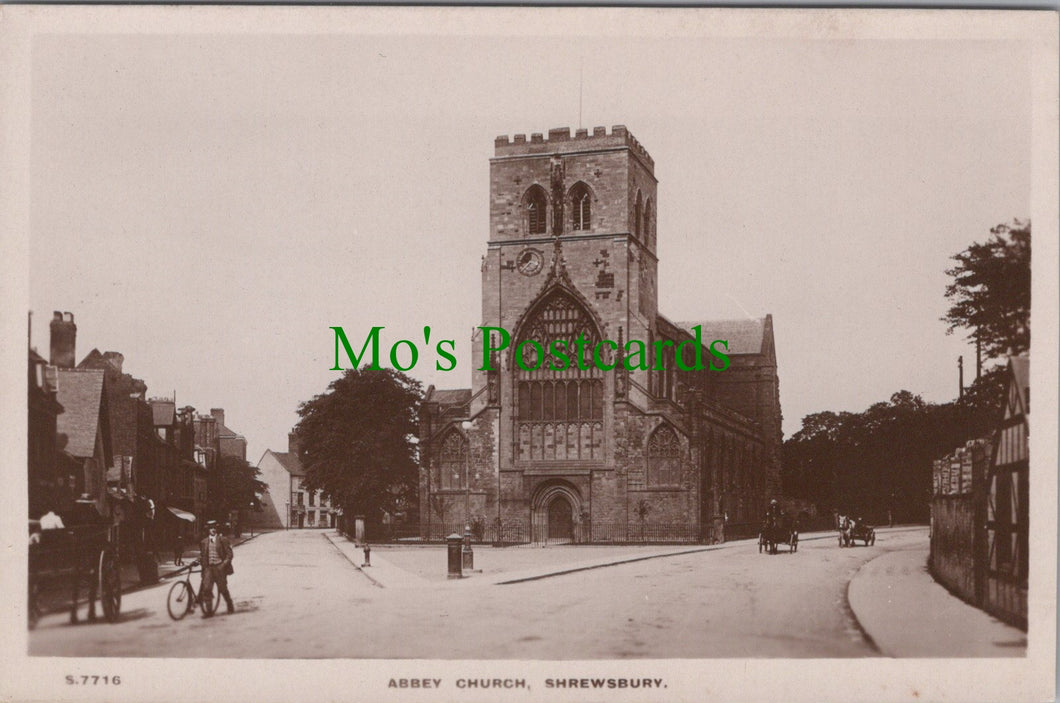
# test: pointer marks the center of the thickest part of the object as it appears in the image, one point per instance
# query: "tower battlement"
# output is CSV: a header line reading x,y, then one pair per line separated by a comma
x,y
560,141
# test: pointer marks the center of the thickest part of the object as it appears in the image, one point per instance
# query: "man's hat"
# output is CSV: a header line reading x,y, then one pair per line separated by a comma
x,y
211,523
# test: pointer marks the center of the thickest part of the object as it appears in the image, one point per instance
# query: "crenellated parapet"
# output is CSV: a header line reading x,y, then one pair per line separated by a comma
x,y
560,141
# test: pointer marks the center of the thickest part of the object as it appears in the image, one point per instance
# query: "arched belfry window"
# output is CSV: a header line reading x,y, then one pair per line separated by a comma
x,y
649,226
451,462
559,406
664,457
581,207
638,213
535,202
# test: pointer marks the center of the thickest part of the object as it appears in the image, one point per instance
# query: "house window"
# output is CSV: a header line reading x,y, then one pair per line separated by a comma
x,y
581,207
312,498
664,458
536,205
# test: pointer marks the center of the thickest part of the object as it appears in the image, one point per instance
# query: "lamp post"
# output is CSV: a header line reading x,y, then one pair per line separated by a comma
x,y
415,442
468,554
287,509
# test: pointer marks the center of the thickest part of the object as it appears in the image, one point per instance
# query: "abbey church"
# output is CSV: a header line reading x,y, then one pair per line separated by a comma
x,y
588,455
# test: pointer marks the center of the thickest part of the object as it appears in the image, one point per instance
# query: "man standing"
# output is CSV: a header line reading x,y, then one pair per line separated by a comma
x,y
215,552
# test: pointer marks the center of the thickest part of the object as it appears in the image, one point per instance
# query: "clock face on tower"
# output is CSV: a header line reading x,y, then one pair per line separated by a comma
x,y
529,262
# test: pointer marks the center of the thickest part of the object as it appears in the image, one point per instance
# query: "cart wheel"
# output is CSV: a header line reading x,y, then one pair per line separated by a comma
x,y
181,600
109,585
33,612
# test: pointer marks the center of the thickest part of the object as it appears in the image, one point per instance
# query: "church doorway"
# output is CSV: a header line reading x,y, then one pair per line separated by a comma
x,y
560,520
554,509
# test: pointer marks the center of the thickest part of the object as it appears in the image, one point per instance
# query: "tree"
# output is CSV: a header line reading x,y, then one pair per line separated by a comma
x,y
991,291
355,443
240,485
878,462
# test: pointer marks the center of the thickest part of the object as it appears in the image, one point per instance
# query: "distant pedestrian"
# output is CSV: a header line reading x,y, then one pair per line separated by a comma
x,y
215,553
178,550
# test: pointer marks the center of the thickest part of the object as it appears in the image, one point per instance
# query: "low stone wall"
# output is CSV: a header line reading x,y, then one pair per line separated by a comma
x,y
953,544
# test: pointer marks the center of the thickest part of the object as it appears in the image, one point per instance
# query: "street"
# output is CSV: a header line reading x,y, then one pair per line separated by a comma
x,y
298,596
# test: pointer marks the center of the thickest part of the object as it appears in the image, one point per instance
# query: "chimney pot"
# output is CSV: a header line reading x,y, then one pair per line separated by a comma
x,y
63,340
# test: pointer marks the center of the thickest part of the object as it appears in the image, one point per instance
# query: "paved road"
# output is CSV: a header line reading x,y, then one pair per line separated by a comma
x,y
298,596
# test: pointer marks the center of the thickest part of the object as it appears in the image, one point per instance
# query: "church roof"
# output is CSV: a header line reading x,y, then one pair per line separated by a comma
x,y
456,396
743,336
80,392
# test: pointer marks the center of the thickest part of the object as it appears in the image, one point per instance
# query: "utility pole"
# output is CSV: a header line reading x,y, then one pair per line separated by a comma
x,y
978,356
960,377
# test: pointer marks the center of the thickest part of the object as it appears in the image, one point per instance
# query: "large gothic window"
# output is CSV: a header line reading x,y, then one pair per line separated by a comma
x,y
451,462
536,204
559,410
664,458
581,207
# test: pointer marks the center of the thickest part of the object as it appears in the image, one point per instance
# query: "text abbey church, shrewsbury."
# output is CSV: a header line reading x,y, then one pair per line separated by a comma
x,y
583,454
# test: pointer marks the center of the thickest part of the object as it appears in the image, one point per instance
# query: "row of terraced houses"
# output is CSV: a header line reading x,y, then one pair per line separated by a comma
x,y
97,441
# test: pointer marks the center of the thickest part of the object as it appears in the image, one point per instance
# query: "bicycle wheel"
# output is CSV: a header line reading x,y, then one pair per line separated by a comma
x,y
208,599
181,600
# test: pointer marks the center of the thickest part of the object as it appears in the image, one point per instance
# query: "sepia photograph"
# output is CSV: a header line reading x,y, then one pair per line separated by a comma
x,y
535,354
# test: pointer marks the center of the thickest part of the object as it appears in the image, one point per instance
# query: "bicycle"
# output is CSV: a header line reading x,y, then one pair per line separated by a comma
x,y
182,599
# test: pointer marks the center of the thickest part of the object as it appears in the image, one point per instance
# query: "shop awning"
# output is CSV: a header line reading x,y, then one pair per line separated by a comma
x,y
182,514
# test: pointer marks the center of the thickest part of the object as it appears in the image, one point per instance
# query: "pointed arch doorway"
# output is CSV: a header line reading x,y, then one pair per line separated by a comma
x,y
560,520
555,506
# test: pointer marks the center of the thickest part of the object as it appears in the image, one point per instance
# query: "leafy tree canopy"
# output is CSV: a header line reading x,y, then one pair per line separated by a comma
x,y
355,443
880,460
991,291
240,484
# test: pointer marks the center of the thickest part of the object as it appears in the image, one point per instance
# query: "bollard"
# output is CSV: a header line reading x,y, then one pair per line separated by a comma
x,y
367,556
453,542
468,557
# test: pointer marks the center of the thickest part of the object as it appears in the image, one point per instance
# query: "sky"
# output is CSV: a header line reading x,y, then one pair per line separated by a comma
x,y
211,204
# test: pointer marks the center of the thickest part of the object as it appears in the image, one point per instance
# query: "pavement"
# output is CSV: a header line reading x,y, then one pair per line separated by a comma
x,y
899,607
933,622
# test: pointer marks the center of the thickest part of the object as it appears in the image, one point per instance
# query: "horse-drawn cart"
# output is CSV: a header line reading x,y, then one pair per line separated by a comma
x,y
852,530
66,557
777,531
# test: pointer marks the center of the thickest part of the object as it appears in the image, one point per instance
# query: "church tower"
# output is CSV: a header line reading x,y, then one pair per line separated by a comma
x,y
571,253
545,447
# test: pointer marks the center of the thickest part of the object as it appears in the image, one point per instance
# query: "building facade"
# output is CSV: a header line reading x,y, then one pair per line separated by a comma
x,y
647,451
288,504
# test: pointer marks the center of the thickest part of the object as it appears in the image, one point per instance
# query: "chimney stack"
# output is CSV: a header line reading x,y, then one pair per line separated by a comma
x,y
64,339
219,414
115,359
293,444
